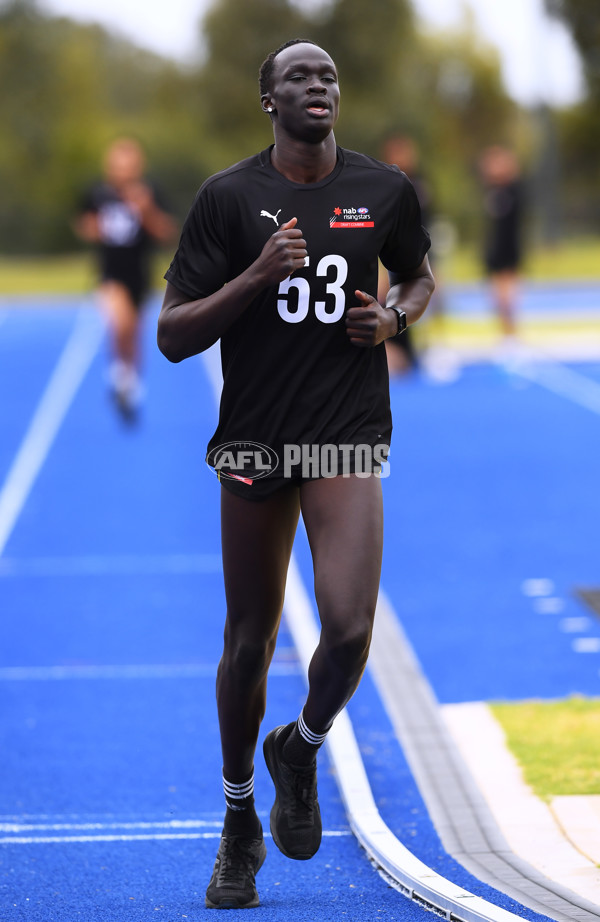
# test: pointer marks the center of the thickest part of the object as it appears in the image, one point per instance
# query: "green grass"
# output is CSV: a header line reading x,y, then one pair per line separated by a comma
x,y
557,743
58,275
576,259
24,275
74,274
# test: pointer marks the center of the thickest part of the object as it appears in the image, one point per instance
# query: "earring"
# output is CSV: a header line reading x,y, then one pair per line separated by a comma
x,y
269,108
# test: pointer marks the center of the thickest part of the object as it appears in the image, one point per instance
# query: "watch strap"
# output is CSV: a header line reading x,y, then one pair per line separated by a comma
x,y
401,320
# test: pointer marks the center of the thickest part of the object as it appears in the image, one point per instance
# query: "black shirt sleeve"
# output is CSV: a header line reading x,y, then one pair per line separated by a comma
x,y
408,242
200,265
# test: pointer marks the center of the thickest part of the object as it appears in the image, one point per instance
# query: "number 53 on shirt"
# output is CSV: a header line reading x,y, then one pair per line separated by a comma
x,y
325,311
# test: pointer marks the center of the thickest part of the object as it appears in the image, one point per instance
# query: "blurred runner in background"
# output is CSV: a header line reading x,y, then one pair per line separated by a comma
x,y
434,358
404,153
503,206
124,216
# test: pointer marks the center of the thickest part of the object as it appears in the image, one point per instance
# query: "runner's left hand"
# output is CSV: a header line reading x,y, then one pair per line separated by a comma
x,y
369,323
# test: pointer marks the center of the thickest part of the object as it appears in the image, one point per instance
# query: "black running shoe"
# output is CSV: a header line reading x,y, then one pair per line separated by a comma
x,y
232,883
295,816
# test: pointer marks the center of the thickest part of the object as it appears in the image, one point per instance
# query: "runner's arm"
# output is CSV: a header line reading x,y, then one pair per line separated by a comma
x,y
87,227
369,323
411,291
155,220
187,327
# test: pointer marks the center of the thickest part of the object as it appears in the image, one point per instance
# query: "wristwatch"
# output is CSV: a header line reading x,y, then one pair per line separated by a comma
x,y
401,320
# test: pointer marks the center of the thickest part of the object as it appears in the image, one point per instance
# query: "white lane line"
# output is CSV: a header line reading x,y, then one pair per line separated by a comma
x,y
148,837
549,605
15,833
142,671
106,820
586,645
89,827
66,378
577,624
563,381
62,840
103,565
538,586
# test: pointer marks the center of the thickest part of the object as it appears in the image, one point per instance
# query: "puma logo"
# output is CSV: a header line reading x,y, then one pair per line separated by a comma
x,y
265,214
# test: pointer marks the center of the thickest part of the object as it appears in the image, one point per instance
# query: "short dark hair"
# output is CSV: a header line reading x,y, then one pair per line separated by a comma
x,y
265,73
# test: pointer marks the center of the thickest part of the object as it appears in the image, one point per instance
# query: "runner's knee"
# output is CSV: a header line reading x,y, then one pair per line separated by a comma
x,y
348,646
248,659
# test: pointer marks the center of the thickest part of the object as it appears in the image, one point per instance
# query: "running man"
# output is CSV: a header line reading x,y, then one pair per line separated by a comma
x,y
503,205
123,216
305,397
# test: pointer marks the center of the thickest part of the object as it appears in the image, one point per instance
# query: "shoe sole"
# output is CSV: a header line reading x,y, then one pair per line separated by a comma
x,y
268,747
231,904
236,904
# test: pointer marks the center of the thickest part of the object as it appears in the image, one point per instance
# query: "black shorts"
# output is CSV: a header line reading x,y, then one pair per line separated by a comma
x,y
503,257
251,479
129,268
137,287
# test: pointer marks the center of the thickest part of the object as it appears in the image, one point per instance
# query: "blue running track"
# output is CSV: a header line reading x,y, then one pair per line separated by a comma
x,y
111,606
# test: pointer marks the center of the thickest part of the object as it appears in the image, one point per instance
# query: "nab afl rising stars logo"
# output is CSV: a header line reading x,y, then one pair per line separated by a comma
x,y
351,218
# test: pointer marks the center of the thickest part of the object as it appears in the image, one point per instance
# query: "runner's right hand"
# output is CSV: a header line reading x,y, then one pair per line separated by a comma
x,y
283,253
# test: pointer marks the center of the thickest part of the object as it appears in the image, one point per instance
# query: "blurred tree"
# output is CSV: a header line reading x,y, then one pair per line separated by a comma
x,y
73,89
464,108
238,35
583,19
579,138
372,54
579,126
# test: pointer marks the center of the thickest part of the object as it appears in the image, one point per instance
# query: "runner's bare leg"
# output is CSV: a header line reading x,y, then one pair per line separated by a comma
x,y
257,539
344,522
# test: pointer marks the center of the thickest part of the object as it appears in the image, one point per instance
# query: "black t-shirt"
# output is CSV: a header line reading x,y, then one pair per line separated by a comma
x,y
124,245
291,375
